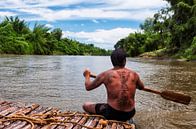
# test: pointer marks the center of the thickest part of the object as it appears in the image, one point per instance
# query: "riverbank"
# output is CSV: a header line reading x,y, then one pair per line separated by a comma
x,y
163,54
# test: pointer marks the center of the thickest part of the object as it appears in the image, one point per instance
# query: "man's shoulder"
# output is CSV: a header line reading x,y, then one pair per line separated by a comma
x,y
130,70
105,73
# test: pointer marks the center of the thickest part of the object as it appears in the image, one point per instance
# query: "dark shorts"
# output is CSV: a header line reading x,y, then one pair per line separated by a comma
x,y
112,114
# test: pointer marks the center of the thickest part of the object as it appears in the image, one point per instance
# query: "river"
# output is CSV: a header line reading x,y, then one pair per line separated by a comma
x,y
57,81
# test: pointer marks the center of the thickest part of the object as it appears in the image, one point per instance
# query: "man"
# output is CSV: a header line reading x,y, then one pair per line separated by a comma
x,y
121,84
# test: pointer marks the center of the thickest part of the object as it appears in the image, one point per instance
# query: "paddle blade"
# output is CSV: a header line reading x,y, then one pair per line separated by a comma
x,y
176,97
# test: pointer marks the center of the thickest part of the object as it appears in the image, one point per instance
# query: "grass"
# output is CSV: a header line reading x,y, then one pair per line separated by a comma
x,y
161,53
167,54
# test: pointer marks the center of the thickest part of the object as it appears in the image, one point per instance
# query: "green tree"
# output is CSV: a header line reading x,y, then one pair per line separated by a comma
x,y
19,26
17,38
183,24
57,34
171,29
38,38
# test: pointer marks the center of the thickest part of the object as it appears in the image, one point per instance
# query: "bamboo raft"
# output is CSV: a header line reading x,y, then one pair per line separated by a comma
x,y
16,115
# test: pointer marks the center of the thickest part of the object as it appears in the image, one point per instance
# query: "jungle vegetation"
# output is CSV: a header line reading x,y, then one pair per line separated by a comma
x,y
17,38
171,32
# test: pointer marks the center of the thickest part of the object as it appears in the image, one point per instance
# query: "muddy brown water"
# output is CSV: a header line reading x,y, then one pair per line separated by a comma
x,y
57,81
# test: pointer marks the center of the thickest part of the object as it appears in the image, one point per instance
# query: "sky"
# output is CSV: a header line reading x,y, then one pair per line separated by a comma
x,y
99,22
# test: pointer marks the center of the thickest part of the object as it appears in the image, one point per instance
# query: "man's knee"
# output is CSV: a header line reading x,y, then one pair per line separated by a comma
x,y
89,107
84,106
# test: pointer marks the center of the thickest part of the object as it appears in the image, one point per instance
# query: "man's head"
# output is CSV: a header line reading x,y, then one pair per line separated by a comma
x,y
118,58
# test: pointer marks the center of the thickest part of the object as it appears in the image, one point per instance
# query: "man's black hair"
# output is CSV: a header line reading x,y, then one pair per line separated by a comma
x,y
118,57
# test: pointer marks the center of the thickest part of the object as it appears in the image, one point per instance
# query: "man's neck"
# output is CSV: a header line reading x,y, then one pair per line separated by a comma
x,y
119,67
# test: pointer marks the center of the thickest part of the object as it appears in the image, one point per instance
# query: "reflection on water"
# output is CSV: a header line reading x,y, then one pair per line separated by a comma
x,y
57,81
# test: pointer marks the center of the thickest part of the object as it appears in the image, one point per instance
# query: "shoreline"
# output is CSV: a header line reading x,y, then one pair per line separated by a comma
x,y
146,55
161,55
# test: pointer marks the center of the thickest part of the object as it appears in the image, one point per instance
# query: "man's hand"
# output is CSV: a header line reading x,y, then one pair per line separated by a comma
x,y
87,73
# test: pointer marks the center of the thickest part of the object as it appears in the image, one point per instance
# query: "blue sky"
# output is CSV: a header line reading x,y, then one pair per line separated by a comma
x,y
100,22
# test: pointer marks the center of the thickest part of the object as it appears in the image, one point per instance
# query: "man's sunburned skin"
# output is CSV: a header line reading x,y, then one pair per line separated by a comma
x,y
121,91
123,100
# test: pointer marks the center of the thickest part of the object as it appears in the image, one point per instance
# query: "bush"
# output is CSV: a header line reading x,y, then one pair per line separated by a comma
x,y
190,53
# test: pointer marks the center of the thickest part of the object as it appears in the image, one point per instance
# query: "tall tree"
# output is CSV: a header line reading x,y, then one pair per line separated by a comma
x,y
57,34
20,26
172,29
38,38
183,23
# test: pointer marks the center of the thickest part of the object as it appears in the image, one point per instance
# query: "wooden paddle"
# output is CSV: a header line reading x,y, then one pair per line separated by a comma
x,y
167,94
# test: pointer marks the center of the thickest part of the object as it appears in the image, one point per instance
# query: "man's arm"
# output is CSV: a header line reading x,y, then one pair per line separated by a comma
x,y
90,85
139,83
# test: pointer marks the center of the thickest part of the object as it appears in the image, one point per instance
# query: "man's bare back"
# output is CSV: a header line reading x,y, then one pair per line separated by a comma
x,y
121,86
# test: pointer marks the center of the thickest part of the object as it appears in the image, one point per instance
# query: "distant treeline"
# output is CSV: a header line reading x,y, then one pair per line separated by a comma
x,y
17,38
171,32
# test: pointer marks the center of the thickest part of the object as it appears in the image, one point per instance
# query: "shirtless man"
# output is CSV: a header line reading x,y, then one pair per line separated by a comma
x,y
121,84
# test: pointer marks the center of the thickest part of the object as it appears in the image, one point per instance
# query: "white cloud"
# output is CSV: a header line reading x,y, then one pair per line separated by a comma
x,y
135,4
95,21
49,25
50,15
3,14
47,3
101,38
7,4
113,4
110,9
